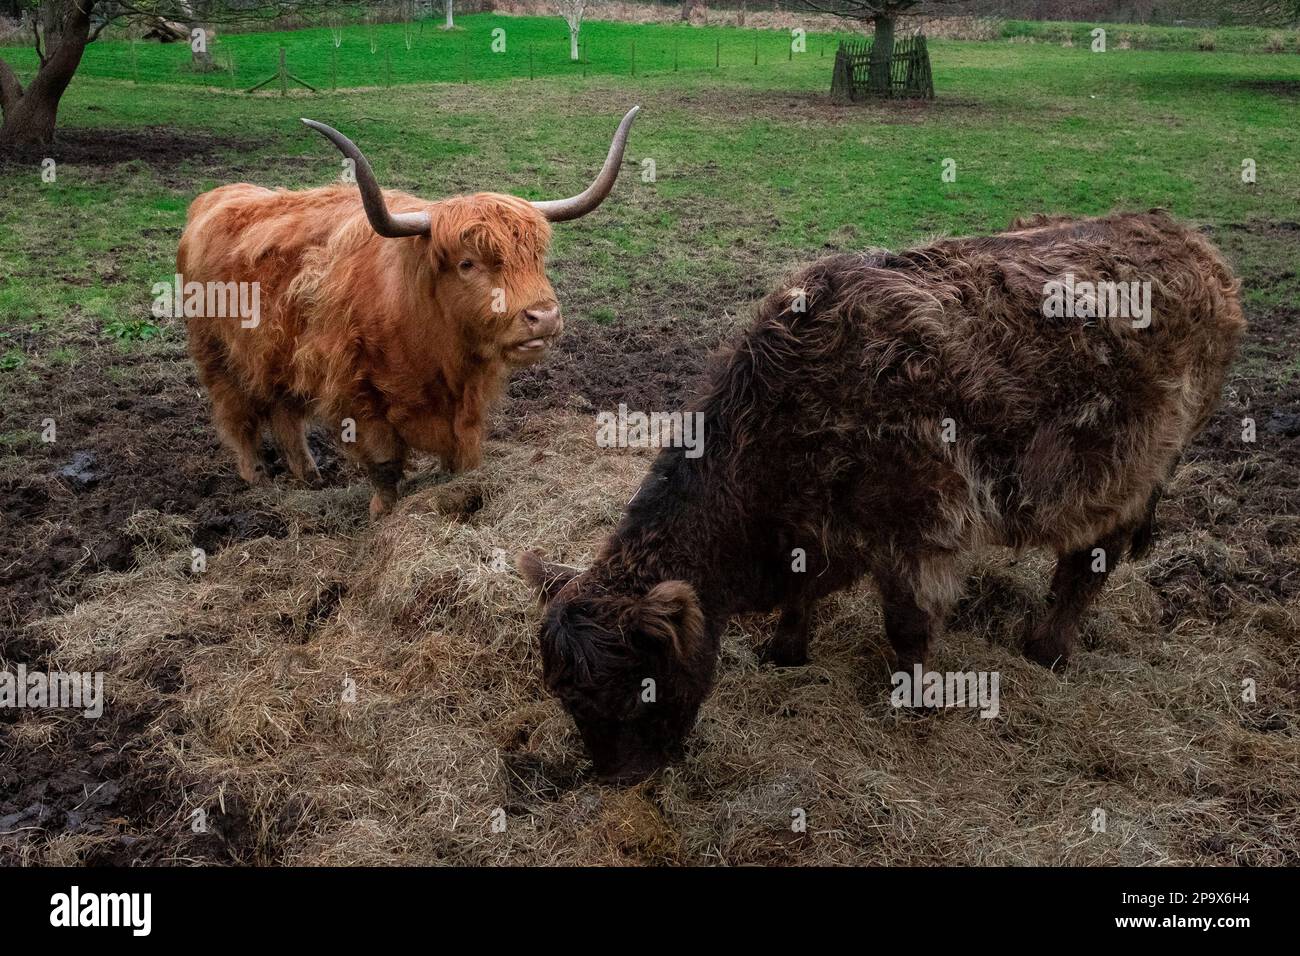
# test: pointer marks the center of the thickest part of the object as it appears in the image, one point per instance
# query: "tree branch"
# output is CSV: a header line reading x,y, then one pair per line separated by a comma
x,y
872,9
60,62
116,12
36,37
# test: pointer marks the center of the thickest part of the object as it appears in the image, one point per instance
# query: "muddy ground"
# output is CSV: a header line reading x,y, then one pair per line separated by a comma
x,y
139,450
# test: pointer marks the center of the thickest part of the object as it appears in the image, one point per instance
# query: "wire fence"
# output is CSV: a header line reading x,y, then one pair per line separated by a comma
x,y
400,54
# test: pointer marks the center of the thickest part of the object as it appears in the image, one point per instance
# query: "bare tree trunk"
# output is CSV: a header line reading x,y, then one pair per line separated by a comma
x,y
51,18
882,54
30,114
573,12
449,25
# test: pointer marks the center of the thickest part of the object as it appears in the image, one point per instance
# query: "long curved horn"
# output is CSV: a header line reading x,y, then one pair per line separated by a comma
x,y
390,225
562,210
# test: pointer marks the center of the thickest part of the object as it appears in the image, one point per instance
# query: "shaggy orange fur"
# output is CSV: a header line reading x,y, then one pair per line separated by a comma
x,y
412,339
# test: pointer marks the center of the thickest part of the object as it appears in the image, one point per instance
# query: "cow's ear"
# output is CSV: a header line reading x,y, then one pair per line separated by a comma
x,y
439,254
545,578
443,238
671,613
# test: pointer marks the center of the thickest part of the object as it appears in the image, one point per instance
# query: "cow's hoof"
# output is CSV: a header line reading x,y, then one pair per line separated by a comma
x,y
1047,654
255,474
907,664
779,656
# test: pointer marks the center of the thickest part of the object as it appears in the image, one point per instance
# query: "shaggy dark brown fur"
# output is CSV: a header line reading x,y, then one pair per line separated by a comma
x,y
824,440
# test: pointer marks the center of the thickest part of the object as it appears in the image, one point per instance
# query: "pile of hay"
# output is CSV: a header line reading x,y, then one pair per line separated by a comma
x,y
353,693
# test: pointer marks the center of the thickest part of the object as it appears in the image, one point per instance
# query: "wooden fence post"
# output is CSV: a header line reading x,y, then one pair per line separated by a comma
x,y
284,76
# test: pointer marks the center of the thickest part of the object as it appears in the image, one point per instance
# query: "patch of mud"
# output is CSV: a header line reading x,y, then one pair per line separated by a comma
x,y
118,452
1279,228
1285,88
809,108
161,147
90,779
59,531
656,365
71,510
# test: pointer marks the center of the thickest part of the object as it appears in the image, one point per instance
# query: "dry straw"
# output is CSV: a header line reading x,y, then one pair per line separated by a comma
x,y
449,730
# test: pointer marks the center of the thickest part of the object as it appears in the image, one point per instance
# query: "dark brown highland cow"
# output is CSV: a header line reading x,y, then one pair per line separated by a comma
x,y
920,406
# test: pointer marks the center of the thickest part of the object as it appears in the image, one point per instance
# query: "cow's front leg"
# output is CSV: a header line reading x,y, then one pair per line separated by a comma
x,y
385,476
458,442
789,646
1080,575
383,455
465,451
907,625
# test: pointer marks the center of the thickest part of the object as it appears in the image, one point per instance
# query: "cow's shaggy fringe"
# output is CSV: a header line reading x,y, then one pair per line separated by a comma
x,y
450,722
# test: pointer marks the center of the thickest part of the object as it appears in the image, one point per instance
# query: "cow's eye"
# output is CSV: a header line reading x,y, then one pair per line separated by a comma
x,y
466,265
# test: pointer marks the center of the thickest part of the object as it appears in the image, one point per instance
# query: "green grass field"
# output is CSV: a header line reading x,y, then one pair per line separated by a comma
x,y
396,53
421,52
1148,37
754,169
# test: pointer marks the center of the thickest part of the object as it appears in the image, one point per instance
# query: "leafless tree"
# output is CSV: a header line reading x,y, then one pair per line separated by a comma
x,y
62,29
883,15
573,11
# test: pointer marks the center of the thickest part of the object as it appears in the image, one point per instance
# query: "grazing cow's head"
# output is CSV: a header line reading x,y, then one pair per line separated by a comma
x,y
487,252
632,671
